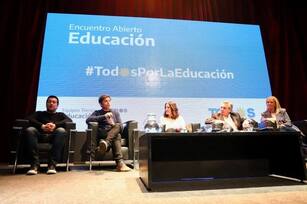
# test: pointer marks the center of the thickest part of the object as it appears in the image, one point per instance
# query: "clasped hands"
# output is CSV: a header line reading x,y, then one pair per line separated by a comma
x,y
48,127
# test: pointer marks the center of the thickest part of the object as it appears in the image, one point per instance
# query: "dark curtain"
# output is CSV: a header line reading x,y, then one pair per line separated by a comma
x,y
282,23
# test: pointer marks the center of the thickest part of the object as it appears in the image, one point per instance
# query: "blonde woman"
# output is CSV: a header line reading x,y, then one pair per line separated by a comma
x,y
274,113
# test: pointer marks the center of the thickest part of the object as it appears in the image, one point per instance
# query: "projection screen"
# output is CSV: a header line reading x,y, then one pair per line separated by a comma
x,y
144,62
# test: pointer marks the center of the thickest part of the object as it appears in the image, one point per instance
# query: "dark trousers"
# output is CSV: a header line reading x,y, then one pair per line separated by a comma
x,y
56,139
113,138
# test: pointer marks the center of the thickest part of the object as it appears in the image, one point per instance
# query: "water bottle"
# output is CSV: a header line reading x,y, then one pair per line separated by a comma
x,y
151,124
208,127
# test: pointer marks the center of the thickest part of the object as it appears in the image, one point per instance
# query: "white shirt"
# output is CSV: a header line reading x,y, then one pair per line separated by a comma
x,y
230,122
177,123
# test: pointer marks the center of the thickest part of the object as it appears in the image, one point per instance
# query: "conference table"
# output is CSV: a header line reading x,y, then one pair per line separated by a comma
x,y
185,158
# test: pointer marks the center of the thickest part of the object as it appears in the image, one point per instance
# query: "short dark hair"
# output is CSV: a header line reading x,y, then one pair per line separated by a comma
x,y
52,96
102,97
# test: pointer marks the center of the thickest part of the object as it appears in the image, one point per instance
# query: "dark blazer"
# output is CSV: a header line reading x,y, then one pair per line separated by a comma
x,y
235,117
282,118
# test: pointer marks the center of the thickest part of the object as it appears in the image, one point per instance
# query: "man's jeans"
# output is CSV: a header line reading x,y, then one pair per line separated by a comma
x,y
113,138
56,139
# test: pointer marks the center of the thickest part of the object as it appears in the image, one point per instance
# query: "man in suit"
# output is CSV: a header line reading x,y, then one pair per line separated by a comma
x,y
229,118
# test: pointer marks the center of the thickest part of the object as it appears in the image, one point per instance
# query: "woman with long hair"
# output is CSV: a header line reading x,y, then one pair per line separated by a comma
x,y
171,120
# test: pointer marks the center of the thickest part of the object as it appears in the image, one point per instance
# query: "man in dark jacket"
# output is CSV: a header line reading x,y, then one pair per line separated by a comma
x,y
50,125
230,119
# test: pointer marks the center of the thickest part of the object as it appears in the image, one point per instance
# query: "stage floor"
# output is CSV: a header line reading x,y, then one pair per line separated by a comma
x,y
105,185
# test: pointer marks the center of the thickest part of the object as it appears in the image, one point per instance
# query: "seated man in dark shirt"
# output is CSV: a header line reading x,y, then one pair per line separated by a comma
x,y
109,128
51,124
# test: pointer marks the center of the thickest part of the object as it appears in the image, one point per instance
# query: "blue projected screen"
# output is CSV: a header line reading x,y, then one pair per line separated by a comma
x,y
144,62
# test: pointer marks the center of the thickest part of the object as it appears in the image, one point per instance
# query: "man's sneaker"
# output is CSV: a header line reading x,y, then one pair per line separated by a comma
x,y
103,146
33,170
51,169
122,167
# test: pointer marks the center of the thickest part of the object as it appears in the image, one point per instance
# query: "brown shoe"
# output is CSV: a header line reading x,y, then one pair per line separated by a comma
x,y
122,167
103,146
